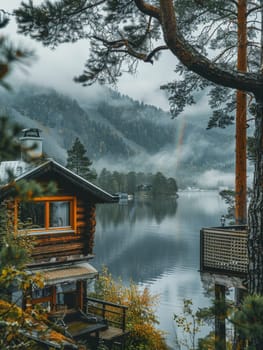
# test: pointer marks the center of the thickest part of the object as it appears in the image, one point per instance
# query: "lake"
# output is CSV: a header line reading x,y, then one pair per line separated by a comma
x,y
156,244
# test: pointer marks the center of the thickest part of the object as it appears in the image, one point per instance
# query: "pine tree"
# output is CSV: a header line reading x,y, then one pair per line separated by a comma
x,y
79,162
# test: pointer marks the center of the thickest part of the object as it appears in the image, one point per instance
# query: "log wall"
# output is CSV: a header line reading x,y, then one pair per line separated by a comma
x,y
62,245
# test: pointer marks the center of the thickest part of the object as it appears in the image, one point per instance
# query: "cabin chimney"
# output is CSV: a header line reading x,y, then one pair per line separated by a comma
x,y
31,144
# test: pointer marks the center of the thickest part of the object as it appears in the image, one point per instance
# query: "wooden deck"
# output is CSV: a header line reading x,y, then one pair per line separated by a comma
x,y
112,336
106,323
115,334
111,333
80,328
223,250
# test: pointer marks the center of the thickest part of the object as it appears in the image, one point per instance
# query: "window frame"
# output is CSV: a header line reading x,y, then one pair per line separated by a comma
x,y
47,228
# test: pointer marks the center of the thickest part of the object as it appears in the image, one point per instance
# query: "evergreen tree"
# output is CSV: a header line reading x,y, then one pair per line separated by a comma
x,y
131,182
78,162
159,184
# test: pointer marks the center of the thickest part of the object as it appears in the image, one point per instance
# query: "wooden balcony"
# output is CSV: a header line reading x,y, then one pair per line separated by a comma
x,y
223,250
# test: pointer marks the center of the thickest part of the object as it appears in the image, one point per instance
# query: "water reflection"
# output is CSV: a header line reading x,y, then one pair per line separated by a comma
x,y
133,240
156,244
132,211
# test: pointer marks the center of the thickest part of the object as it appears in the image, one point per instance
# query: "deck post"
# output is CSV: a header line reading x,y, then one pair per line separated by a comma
x,y
220,323
123,319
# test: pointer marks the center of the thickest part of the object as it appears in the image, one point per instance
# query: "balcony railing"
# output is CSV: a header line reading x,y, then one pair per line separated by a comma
x,y
224,250
115,314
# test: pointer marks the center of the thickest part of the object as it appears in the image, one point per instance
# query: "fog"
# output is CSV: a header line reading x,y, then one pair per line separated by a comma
x,y
214,178
58,67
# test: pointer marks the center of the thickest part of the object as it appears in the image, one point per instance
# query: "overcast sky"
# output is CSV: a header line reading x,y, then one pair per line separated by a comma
x,y
56,68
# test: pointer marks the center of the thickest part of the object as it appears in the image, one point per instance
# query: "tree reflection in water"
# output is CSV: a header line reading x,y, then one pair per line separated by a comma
x,y
136,210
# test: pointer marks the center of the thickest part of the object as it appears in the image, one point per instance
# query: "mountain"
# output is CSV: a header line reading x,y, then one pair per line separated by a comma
x,y
120,133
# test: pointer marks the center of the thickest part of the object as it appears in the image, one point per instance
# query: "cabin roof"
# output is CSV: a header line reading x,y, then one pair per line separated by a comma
x,y
17,167
70,273
51,166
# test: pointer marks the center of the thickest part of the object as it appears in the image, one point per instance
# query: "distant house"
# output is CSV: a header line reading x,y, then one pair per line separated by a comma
x,y
144,188
144,191
62,225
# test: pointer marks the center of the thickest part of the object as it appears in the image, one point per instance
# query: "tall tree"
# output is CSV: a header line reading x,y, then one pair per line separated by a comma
x,y
79,162
125,32
241,120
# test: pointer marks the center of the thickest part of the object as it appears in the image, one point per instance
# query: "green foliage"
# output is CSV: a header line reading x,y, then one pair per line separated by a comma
x,y
191,323
27,190
102,22
15,253
221,38
9,147
136,122
133,182
249,321
141,319
163,186
78,162
15,248
229,197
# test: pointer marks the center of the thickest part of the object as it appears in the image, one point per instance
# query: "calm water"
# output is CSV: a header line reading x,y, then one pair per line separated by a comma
x,y
156,244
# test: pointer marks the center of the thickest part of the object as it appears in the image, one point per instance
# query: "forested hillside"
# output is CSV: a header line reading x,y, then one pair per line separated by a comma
x,y
120,132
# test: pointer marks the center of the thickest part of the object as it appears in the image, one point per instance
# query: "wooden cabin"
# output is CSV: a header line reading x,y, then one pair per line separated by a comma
x,y
62,227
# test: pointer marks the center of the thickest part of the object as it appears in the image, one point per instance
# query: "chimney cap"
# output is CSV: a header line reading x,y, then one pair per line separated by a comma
x,y
31,132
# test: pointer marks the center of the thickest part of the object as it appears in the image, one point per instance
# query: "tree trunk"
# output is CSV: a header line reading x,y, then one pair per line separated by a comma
x,y
241,114
255,213
220,317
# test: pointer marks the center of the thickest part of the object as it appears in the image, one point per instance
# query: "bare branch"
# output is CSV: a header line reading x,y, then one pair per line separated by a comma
x,y
256,8
223,52
154,51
